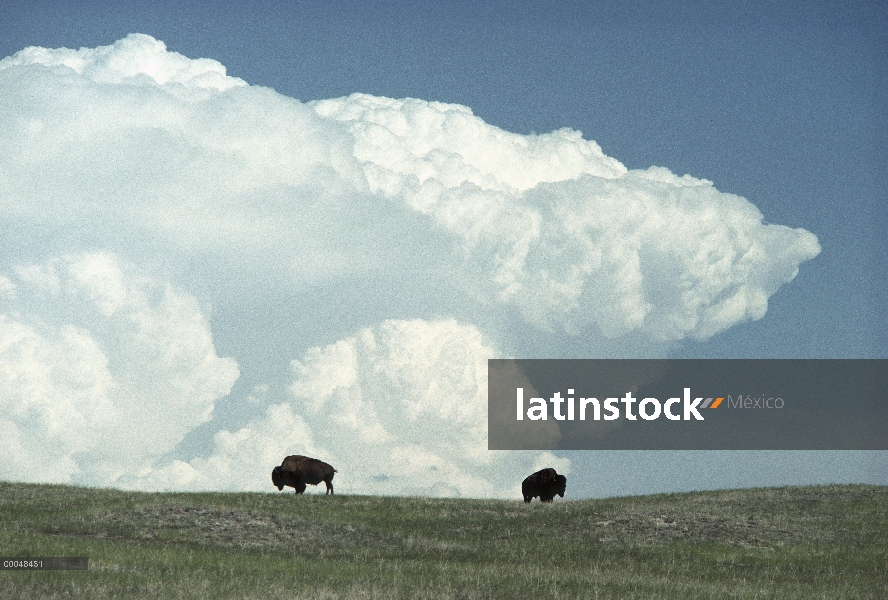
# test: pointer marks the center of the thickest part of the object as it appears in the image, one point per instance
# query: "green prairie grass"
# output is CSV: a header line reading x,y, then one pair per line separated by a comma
x,y
796,542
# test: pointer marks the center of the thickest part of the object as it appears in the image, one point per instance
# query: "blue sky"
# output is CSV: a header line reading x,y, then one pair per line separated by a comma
x,y
782,104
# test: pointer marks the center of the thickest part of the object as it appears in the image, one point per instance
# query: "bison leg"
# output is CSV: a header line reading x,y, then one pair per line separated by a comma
x,y
329,486
300,487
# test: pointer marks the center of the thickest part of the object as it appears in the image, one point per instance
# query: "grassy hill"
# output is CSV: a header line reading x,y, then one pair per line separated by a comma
x,y
796,542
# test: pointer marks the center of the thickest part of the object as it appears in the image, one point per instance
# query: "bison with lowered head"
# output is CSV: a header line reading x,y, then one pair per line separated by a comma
x,y
545,484
297,470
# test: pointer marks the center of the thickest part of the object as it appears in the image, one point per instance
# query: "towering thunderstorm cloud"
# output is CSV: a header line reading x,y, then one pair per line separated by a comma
x,y
145,197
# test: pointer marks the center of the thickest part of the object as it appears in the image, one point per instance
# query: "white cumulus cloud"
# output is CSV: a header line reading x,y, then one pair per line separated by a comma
x,y
140,143
166,186
398,409
404,406
550,224
102,370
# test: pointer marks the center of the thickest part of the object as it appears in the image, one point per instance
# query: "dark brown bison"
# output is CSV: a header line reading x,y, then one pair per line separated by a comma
x,y
297,470
545,484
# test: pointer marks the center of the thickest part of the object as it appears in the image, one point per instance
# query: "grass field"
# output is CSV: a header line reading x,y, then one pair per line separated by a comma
x,y
804,542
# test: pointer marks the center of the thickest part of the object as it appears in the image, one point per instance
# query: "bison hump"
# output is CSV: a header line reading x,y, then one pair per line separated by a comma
x,y
299,464
546,475
295,462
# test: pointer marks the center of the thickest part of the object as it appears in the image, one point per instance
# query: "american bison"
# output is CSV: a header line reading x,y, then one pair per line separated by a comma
x,y
545,484
297,470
